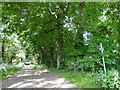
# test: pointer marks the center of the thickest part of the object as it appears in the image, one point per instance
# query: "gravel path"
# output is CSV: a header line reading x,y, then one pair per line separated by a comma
x,y
31,78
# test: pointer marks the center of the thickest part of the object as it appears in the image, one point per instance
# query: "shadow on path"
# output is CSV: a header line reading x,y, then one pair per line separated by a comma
x,y
31,78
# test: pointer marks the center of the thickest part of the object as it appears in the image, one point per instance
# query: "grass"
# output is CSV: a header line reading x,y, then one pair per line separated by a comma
x,y
82,80
79,79
57,71
8,73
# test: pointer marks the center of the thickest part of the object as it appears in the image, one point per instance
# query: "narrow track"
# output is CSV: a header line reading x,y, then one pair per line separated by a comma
x,y
32,78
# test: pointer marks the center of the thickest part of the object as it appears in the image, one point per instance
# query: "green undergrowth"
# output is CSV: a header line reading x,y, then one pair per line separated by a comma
x,y
79,79
39,67
82,80
8,72
57,71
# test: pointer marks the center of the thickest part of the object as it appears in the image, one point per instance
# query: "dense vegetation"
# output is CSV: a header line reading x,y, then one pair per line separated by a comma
x,y
80,37
8,70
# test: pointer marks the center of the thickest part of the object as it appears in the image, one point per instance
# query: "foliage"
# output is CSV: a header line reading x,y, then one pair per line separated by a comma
x,y
110,80
54,34
81,79
8,71
42,67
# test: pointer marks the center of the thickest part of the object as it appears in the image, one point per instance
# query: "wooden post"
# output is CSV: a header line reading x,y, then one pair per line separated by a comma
x,y
101,49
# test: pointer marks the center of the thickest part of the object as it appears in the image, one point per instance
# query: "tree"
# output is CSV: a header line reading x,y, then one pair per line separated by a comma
x,y
53,42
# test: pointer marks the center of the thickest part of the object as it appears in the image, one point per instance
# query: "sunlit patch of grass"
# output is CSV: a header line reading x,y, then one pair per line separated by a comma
x,y
9,72
82,80
79,79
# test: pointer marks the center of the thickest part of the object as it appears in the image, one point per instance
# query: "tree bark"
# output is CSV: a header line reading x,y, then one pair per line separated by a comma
x,y
51,57
10,62
58,61
59,44
60,32
74,67
3,50
59,51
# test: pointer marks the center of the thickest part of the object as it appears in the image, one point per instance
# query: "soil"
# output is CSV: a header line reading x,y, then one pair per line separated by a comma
x,y
32,78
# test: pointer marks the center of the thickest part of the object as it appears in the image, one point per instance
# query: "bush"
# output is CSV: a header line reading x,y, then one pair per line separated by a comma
x,y
7,70
42,67
82,79
110,80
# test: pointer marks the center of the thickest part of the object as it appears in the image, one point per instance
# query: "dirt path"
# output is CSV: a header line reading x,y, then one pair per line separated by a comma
x,y
29,78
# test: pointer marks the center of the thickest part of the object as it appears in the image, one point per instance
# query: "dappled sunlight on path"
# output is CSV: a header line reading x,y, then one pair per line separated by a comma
x,y
29,78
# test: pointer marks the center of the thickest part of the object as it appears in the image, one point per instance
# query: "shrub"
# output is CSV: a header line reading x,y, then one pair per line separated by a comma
x,y
39,67
7,70
110,80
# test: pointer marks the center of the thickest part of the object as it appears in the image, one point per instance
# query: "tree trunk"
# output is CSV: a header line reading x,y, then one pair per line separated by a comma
x,y
3,50
58,61
51,57
43,59
60,24
59,49
74,67
60,44
10,62
39,58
